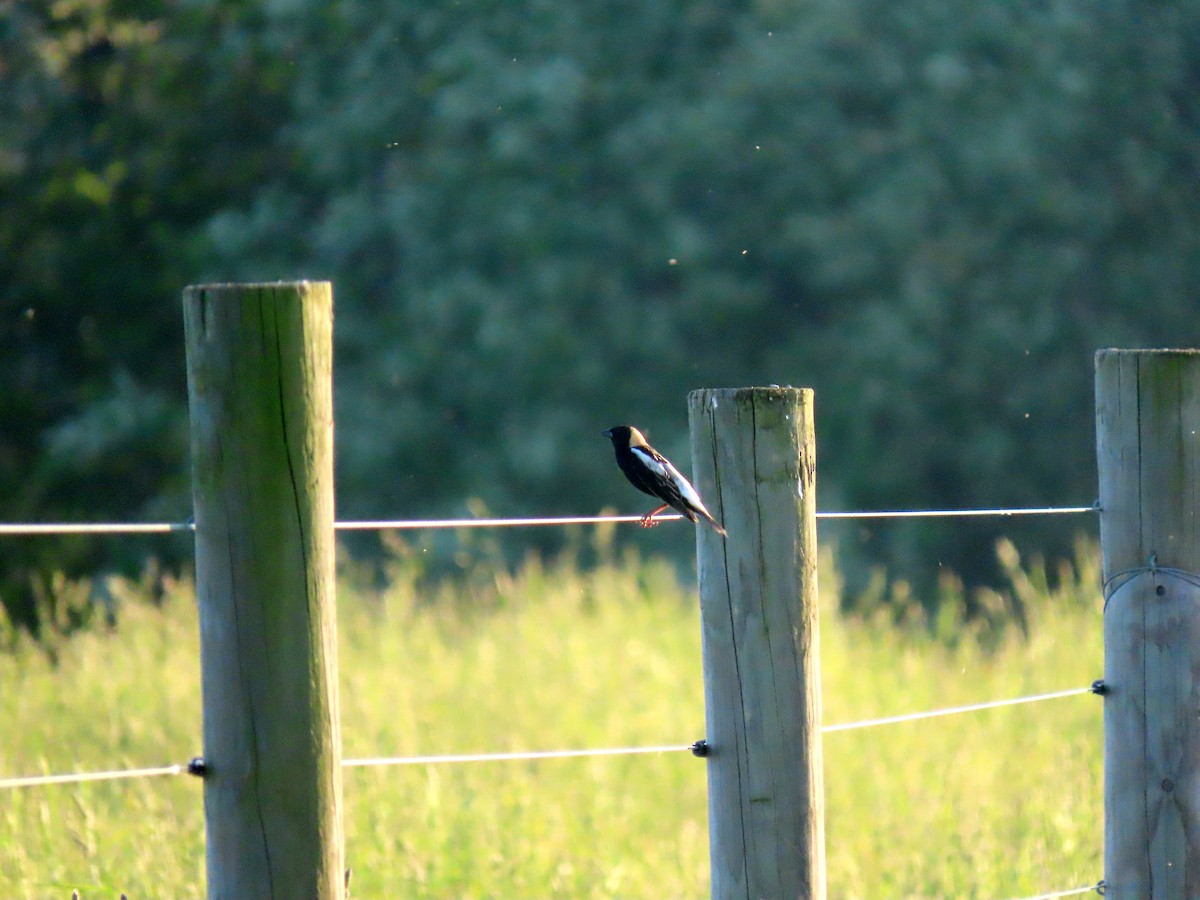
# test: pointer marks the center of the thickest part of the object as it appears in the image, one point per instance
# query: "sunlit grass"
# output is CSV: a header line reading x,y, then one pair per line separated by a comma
x,y
998,804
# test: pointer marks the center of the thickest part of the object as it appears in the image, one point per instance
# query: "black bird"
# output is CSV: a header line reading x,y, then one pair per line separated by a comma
x,y
651,472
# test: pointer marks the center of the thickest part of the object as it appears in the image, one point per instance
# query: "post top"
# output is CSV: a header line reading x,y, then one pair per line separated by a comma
x,y
299,283
735,395
1156,351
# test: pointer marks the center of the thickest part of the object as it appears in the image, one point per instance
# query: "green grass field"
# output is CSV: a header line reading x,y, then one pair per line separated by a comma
x,y
999,804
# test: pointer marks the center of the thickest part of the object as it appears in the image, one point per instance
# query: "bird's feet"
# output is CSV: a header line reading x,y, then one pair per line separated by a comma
x,y
648,521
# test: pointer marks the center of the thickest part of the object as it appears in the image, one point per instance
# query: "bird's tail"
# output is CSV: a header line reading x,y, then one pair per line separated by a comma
x,y
717,527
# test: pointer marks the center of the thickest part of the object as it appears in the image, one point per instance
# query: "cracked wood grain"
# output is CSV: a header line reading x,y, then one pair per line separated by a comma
x,y
753,452
260,397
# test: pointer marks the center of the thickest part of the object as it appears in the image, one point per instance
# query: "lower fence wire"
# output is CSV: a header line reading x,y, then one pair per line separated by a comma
x,y
1097,888
954,710
80,777
508,757
196,766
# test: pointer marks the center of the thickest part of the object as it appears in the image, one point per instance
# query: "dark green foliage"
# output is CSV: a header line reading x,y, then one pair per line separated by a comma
x,y
545,218
123,127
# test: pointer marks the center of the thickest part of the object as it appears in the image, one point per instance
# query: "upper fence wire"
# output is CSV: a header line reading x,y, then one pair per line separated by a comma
x,y
53,528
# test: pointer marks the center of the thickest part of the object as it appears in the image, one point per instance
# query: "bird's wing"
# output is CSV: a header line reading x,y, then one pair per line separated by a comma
x,y
676,489
685,488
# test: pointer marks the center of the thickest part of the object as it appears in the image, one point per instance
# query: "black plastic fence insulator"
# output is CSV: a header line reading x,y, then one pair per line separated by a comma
x,y
1099,687
700,748
197,767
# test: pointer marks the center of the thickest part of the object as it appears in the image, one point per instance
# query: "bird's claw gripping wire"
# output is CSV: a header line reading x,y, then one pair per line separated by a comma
x,y
648,520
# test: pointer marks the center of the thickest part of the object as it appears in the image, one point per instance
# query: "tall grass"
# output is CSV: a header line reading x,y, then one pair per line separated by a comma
x,y
997,804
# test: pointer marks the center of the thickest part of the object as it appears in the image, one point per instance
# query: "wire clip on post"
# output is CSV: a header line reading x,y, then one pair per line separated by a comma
x,y
700,748
1099,688
197,766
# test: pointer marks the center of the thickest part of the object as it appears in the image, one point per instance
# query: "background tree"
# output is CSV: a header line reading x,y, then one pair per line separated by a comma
x,y
934,216
542,219
123,126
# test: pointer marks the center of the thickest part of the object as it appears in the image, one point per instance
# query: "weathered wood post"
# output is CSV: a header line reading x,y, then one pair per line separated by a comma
x,y
260,393
754,461
1148,449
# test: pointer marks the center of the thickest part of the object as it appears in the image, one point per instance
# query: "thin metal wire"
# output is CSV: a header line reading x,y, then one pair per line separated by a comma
x,y
416,524
381,524
672,748
961,513
954,710
507,757
29,528
825,729
1072,892
80,777
44,528
1119,580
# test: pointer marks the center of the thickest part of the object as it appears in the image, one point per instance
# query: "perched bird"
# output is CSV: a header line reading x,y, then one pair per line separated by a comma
x,y
651,472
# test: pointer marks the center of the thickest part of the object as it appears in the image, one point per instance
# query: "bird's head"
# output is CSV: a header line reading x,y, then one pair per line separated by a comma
x,y
625,436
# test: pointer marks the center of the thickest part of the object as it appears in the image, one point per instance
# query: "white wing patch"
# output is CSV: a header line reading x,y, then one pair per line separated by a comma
x,y
661,466
685,488
651,463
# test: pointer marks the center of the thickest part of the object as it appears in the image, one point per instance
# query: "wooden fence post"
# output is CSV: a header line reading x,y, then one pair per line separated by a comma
x,y
754,461
1148,450
260,394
